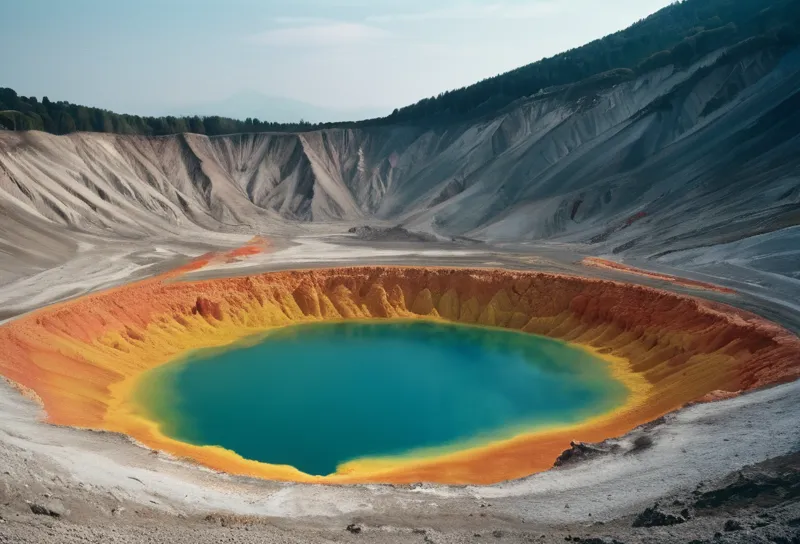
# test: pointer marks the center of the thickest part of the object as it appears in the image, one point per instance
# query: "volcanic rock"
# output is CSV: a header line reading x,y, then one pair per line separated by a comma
x,y
52,507
653,517
580,451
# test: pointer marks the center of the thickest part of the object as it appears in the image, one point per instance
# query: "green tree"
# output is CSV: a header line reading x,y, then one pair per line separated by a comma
x,y
102,121
684,52
196,125
83,119
66,123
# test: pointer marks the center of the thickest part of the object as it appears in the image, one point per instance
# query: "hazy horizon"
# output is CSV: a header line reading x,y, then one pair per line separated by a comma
x,y
154,56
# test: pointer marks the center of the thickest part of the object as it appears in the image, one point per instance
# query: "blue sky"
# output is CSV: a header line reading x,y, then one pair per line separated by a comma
x,y
150,56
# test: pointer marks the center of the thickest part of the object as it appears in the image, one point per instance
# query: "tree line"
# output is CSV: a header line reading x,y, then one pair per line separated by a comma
x,y
28,113
676,35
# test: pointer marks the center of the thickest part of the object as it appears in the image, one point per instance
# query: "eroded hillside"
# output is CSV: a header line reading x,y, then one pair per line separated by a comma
x,y
673,160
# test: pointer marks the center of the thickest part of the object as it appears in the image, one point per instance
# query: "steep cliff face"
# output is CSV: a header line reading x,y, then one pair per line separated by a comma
x,y
669,161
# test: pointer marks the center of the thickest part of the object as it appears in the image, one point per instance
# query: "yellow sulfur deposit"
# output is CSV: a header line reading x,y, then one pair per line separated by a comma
x,y
83,358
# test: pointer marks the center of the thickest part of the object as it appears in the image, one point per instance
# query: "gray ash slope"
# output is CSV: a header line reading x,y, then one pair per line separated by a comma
x,y
655,167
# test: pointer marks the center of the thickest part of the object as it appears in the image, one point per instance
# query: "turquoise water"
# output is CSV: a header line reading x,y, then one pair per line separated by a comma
x,y
315,396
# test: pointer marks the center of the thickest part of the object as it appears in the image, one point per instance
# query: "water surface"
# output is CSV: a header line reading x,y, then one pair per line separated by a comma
x,y
315,396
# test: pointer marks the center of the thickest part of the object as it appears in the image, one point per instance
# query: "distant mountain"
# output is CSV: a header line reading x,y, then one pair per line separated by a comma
x,y
274,109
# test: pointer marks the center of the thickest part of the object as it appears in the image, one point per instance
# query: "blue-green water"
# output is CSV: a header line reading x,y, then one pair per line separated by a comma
x,y
315,396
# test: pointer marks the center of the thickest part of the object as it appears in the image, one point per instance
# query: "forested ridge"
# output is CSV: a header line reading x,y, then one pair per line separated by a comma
x,y
676,35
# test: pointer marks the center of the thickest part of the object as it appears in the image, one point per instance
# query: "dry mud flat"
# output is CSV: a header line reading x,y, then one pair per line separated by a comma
x,y
679,480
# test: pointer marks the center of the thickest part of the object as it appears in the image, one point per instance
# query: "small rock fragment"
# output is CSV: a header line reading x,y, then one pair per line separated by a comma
x,y
53,508
732,525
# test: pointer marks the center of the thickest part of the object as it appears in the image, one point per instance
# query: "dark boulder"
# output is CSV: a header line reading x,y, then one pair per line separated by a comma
x,y
653,517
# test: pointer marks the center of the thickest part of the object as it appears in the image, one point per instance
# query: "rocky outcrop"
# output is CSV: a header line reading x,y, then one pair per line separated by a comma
x,y
654,517
579,452
389,234
769,485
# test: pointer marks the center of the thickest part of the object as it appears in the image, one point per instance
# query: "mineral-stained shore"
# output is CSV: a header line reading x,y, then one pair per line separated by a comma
x,y
82,358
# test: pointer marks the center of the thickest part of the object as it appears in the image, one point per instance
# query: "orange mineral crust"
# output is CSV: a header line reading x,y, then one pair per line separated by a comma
x,y
83,358
611,265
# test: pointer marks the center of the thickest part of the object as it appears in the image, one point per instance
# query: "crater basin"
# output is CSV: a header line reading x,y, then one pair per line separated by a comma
x,y
318,396
85,359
